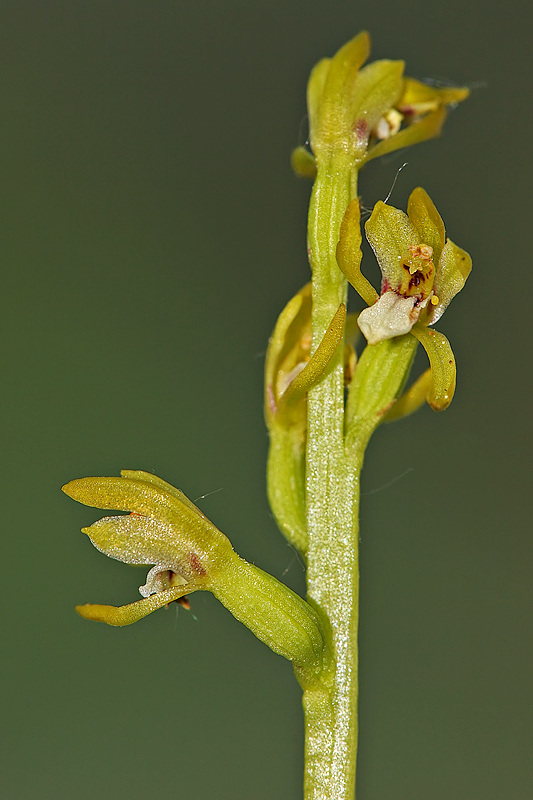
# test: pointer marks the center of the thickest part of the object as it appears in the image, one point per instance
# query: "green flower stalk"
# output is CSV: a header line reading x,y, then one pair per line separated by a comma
x,y
357,113
321,404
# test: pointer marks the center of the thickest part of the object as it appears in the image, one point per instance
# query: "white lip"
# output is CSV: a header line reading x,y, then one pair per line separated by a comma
x,y
391,315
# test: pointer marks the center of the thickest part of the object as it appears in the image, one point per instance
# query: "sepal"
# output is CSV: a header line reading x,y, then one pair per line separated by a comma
x,y
391,233
331,98
162,528
442,363
315,91
349,253
419,98
317,366
428,127
288,352
376,90
427,220
454,268
126,615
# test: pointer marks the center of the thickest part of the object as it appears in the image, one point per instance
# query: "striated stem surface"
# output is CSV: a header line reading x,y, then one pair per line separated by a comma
x,y
332,488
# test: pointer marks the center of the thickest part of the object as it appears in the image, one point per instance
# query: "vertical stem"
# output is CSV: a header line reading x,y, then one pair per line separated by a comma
x,y
332,512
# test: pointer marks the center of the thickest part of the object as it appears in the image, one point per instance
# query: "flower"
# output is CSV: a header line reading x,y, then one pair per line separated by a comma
x,y
164,529
362,112
418,114
188,553
290,372
421,273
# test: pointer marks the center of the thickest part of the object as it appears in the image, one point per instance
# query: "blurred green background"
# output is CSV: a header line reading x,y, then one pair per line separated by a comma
x,y
151,231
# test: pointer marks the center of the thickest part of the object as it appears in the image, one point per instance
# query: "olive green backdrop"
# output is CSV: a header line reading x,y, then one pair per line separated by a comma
x,y
150,232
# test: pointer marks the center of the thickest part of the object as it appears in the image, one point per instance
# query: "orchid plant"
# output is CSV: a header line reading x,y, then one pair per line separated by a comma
x,y
322,404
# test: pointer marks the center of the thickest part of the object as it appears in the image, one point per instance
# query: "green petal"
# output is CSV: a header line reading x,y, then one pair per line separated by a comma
x,y
303,163
140,475
138,496
179,533
427,220
330,95
452,271
285,352
442,363
428,127
315,90
390,233
349,253
418,97
137,540
377,88
126,615
316,367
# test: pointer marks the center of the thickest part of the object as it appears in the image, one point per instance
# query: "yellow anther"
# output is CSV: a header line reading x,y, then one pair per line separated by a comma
x,y
434,300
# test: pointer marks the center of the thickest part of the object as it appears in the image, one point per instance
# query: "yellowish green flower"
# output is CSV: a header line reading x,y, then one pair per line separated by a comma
x,y
290,372
187,553
164,529
362,112
418,114
421,273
